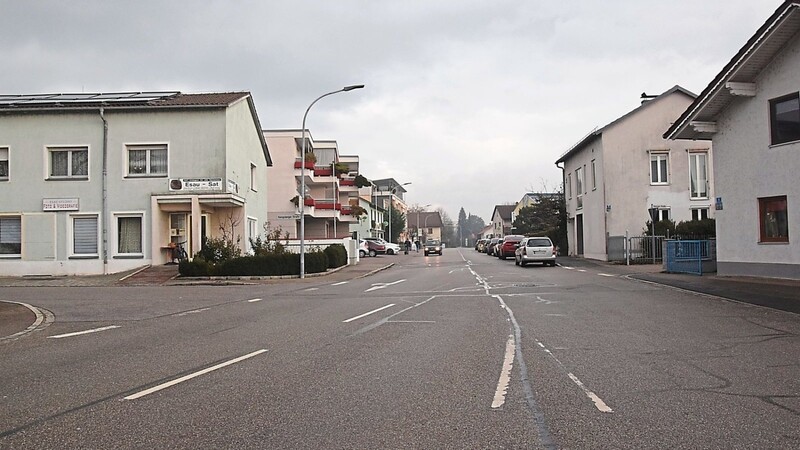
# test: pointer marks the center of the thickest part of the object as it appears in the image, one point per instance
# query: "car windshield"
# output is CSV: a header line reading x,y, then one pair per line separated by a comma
x,y
543,242
432,242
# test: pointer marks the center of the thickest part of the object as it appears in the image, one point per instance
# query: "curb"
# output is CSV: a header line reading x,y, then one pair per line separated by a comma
x,y
375,271
242,280
43,319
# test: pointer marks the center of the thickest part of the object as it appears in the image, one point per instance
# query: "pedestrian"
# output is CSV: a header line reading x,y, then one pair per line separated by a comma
x,y
408,245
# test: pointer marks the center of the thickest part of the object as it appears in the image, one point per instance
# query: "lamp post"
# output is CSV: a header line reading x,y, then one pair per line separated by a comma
x,y
303,176
391,200
418,212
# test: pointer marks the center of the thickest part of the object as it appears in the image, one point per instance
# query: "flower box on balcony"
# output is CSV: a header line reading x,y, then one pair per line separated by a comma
x,y
309,201
309,165
347,210
347,182
323,171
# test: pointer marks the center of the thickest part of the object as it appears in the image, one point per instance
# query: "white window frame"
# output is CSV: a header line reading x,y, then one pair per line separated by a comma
x,y
252,232
579,186
21,225
594,175
148,147
694,161
5,156
569,186
115,233
69,149
71,235
661,214
659,157
253,177
699,214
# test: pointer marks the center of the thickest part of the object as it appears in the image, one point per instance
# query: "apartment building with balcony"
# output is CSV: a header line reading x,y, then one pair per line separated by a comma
x,y
389,195
96,183
330,181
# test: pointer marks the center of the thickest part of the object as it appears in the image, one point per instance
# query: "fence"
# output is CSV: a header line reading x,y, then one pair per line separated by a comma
x,y
690,256
636,249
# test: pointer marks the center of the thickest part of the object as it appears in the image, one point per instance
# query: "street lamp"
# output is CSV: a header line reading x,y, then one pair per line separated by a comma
x,y
303,177
418,212
391,198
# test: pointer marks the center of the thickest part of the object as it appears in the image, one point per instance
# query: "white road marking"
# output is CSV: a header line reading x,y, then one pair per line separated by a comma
x,y
194,311
339,283
312,289
568,268
78,333
581,270
253,300
193,375
598,402
505,374
606,275
366,314
376,286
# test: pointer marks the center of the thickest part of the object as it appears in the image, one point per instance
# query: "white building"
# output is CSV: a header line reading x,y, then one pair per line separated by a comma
x,y
616,173
103,183
751,113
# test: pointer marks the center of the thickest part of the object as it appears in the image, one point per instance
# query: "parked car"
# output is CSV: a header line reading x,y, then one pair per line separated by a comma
x,y
490,246
480,245
508,246
535,249
373,248
433,246
391,248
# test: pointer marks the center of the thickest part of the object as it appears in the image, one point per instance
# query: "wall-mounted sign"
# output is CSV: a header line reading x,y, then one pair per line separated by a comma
x,y
289,216
233,187
60,204
195,184
718,204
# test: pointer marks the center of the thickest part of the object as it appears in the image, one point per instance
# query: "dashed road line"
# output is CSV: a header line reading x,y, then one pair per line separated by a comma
x,y
78,333
253,300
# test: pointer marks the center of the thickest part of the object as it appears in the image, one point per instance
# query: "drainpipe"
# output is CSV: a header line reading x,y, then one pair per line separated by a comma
x,y
104,221
564,189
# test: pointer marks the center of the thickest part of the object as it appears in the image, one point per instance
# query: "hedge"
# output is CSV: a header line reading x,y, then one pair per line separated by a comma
x,y
262,265
337,255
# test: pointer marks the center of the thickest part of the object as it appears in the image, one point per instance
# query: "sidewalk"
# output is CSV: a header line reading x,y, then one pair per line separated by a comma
x,y
774,293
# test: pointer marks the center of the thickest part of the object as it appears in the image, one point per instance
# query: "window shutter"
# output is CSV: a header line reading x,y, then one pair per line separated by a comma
x,y
85,235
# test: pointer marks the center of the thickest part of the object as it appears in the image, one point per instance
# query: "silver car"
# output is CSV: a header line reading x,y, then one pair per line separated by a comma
x,y
535,249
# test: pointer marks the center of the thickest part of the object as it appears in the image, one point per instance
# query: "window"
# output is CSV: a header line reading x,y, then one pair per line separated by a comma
x,y
659,168
252,233
784,118
698,175
773,218
3,163
84,235
594,176
69,162
129,235
253,185
147,160
10,235
579,186
699,213
569,185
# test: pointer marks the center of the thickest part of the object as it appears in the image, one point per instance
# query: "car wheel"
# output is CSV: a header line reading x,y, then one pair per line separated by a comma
x,y
390,252
373,253
552,263
522,263
362,253
501,255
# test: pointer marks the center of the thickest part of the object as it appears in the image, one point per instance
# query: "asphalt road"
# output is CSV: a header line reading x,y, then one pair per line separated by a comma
x,y
457,351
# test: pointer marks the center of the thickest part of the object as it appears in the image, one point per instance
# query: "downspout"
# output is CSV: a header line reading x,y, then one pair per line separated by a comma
x,y
566,206
105,192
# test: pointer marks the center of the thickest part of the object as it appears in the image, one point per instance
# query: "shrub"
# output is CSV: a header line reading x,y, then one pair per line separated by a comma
x,y
337,255
662,228
697,228
197,267
217,250
316,262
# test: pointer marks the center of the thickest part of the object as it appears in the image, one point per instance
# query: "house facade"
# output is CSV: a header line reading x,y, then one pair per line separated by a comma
x,y
614,175
751,113
103,183
501,220
389,196
331,191
423,225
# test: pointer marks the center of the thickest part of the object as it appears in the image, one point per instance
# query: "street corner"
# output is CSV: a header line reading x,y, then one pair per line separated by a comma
x,y
16,319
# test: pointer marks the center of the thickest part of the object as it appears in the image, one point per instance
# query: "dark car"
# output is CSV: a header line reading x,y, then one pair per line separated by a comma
x,y
508,246
433,246
491,245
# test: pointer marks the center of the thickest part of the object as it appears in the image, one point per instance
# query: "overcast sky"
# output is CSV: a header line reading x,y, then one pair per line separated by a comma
x,y
470,101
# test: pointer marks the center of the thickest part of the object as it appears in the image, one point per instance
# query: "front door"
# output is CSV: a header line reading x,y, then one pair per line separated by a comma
x,y
579,234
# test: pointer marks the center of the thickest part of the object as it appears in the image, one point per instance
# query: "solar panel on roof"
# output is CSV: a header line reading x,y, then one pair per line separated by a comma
x,y
110,97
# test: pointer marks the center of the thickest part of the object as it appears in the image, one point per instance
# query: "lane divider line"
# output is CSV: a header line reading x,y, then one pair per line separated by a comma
x,y
366,314
253,300
78,333
339,283
505,374
192,375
